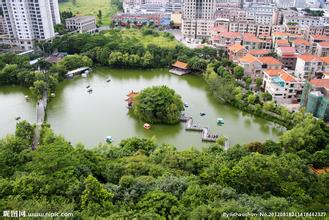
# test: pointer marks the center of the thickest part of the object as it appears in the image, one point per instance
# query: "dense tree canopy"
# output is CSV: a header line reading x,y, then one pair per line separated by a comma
x,y
158,104
142,179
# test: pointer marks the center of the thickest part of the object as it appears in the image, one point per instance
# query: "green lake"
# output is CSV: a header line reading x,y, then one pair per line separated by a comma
x,y
89,117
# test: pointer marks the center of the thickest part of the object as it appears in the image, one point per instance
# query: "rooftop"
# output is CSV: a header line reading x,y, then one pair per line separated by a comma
x,y
282,42
282,74
269,60
320,37
259,52
310,58
287,50
324,44
325,59
301,42
253,39
231,34
236,48
320,83
180,65
248,59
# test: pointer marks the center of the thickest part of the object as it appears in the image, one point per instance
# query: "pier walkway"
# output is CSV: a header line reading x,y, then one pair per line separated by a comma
x,y
206,135
41,114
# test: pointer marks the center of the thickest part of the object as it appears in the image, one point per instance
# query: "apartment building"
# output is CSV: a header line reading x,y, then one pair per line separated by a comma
x,y
249,27
29,21
235,52
2,25
287,56
81,24
226,39
315,98
251,42
308,66
253,66
302,46
198,19
283,87
322,49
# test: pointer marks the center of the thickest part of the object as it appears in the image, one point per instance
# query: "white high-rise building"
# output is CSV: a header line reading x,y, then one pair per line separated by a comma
x,y
28,21
198,18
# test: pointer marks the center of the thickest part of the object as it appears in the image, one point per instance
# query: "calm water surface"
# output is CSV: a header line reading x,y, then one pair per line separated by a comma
x,y
12,105
89,118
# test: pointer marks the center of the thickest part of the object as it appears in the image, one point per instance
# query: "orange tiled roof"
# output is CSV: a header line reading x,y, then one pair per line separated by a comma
x,y
269,60
236,48
320,171
180,65
282,42
282,74
251,39
231,34
248,59
287,50
280,34
287,77
322,83
324,44
320,37
310,58
325,59
301,42
259,52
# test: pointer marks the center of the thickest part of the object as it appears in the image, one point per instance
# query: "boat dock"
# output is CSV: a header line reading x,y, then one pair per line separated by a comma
x,y
206,135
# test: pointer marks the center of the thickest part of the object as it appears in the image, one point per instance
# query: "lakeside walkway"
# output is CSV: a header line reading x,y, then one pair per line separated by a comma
x,y
41,115
206,135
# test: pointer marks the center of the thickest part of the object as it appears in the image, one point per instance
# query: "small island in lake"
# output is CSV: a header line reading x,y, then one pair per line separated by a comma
x,y
158,105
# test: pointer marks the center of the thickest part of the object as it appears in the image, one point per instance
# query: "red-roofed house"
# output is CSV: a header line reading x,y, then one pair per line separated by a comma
x,y
308,66
283,87
259,53
226,39
251,65
269,62
325,65
235,52
302,46
322,49
251,42
288,57
281,43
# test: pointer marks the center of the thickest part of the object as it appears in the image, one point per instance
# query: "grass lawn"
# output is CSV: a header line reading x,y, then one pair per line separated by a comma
x,y
160,40
90,7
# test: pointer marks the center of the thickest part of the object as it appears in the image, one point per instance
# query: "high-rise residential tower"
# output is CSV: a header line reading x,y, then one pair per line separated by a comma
x,y
28,21
197,18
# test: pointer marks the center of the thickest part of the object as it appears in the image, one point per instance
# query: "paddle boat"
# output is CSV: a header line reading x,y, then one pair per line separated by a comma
x,y
27,98
18,118
220,121
108,80
202,113
109,139
88,86
90,90
53,95
185,105
147,126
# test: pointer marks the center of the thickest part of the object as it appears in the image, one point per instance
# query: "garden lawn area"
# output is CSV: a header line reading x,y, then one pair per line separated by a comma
x,y
161,40
91,7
